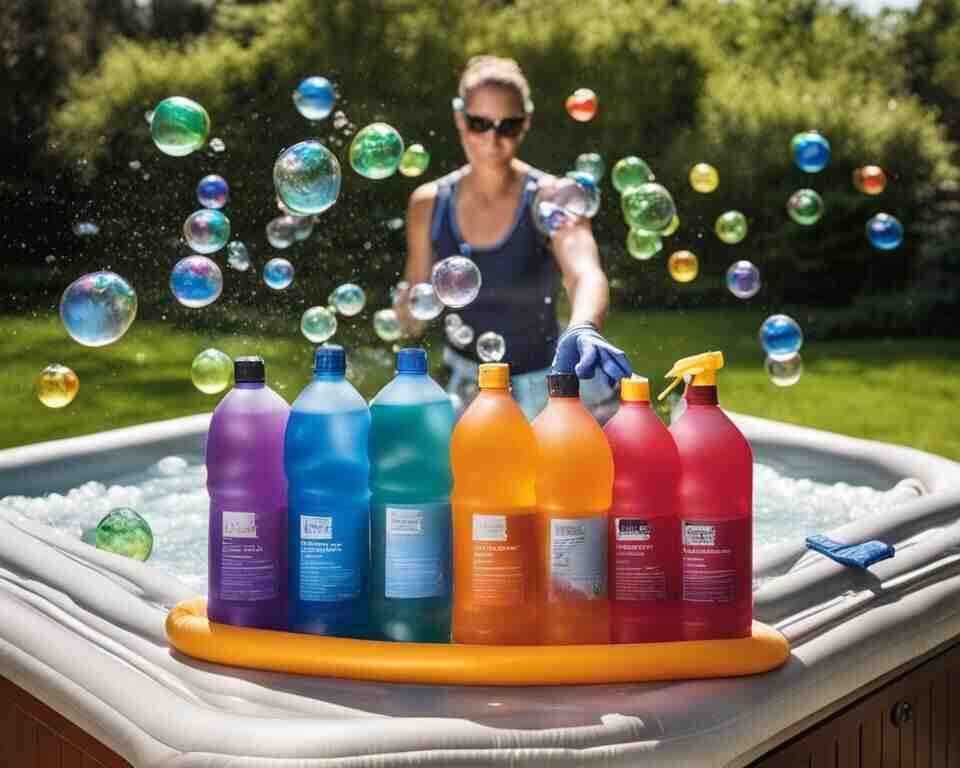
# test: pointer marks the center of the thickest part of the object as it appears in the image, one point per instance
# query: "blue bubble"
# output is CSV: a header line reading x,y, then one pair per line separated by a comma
x,y
811,151
307,178
884,232
781,337
278,273
213,191
206,230
314,98
196,281
98,308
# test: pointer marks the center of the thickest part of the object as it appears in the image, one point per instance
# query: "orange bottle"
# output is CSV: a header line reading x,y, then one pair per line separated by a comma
x,y
574,493
492,455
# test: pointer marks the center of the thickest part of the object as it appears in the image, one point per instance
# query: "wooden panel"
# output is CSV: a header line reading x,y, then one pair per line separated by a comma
x,y
953,715
938,723
70,756
48,748
922,733
871,737
25,740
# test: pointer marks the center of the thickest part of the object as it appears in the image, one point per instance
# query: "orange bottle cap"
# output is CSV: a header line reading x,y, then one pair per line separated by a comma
x,y
494,376
636,389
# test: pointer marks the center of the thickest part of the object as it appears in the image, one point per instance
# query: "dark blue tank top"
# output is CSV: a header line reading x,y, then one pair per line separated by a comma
x,y
521,279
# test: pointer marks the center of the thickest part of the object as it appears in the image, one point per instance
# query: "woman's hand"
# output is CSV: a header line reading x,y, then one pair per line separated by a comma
x,y
581,350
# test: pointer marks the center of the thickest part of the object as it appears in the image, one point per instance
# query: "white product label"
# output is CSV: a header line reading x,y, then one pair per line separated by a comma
x,y
404,522
699,535
239,525
489,527
578,558
314,527
632,529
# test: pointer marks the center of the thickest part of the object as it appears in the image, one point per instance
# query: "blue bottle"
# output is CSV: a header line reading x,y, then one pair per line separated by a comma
x,y
325,458
410,481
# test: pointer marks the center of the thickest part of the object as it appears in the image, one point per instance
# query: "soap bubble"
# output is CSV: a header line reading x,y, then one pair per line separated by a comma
x,y
592,163
491,347
456,280
630,172
206,230
704,178
423,302
123,531
582,105
649,207
731,227
398,291
589,185
307,178
871,179
376,150
805,207
211,371
98,308
302,227
237,256
415,160
196,281
281,231
672,227
318,324
560,203
786,372
278,273
314,98
811,151
743,279
643,245
781,337
884,232
452,321
683,266
461,336
348,299
86,229
387,325
57,385
213,191
179,126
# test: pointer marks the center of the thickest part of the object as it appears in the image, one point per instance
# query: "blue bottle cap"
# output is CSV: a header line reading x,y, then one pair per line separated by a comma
x,y
413,360
330,358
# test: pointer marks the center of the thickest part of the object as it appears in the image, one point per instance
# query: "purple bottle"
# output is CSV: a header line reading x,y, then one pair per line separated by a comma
x,y
248,503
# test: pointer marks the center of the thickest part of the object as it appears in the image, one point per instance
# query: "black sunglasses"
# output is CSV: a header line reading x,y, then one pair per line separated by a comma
x,y
508,126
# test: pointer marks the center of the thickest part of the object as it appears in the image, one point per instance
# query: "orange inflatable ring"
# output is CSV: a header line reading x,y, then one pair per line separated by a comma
x,y
191,633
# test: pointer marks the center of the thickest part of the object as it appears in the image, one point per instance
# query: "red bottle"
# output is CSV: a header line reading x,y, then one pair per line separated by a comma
x,y
644,529
716,509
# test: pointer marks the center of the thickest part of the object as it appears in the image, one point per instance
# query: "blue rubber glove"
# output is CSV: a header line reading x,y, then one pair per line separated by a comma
x,y
581,350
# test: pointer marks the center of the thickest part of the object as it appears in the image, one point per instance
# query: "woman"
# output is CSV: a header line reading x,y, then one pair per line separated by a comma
x,y
482,211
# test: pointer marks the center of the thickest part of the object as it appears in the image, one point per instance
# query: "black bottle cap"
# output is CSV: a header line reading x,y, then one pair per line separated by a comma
x,y
563,385
249,370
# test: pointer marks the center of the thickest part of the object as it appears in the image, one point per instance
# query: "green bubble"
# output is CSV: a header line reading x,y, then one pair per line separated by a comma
x,y
376,151
631,172
211,371
649,207
672,227
179,126
805,207
415,160
125,532
318,324
731,227
387,325
592,163
643,245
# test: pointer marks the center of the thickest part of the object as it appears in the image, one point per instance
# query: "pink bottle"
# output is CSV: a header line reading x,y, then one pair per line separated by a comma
x,y
644,529
716,509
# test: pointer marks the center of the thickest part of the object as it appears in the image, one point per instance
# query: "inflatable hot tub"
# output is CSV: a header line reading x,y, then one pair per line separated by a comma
x,y
85,666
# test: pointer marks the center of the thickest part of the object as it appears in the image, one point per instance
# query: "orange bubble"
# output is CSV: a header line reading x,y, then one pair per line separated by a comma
x,y
871,179
683,266
57,386
582,105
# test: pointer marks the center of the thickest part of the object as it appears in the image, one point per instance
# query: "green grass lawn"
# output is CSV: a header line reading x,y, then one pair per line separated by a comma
x,y
902,390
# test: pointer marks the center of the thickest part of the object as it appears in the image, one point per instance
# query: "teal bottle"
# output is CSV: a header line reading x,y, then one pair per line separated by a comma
x,y
410,481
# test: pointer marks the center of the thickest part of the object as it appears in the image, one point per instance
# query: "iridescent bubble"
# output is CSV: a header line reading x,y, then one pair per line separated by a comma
x,y
805,207
643,245
307,178
376,150
278,273
387,325
461,337
206,230
743,279
237,256
589,185
398,292
871,179
213,191
683,266
452,321
415,160
302,228
491,347
630,172
211,371
196,281
884,232
582,105
86,229
98,308
456,280
281,231
423,302
314,98
560,203
649,207
704,178
57,385
811,151
731,227
592,163
781,337
785,373
318,324
123,531
348,299
672,227
179,126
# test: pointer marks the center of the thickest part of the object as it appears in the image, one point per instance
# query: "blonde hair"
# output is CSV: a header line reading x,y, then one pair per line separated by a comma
x,y
494,70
